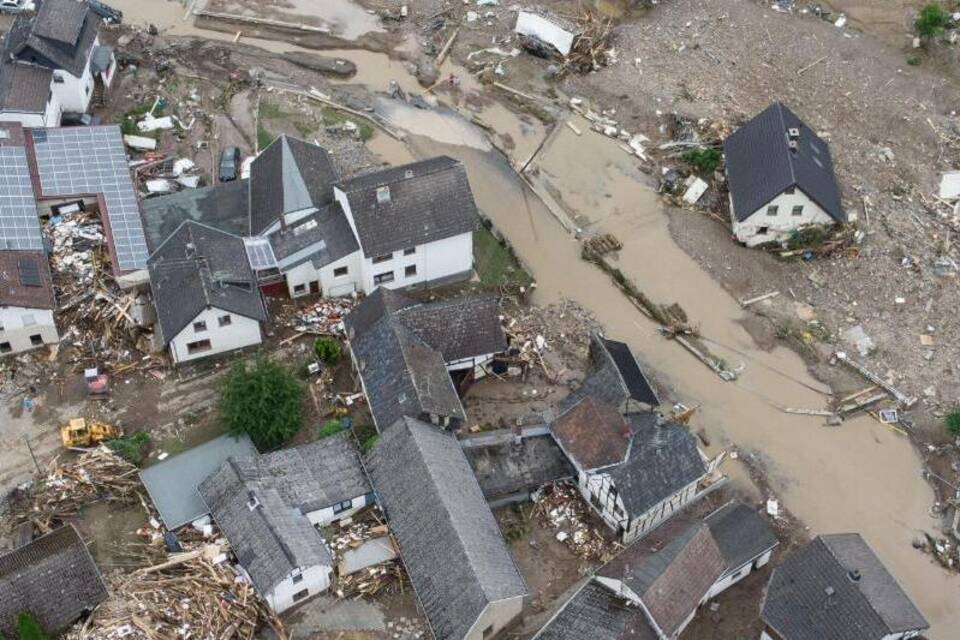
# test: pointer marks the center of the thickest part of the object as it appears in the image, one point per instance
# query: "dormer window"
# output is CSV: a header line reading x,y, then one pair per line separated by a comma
x,y
57,78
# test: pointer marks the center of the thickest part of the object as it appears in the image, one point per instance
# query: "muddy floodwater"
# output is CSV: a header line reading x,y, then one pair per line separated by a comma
x,y
859,477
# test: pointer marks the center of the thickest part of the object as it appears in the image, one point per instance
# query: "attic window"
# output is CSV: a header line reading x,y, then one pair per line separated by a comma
x,y
383,194
793,133
306,226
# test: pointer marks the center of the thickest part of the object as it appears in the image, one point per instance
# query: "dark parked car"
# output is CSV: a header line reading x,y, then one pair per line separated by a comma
x,y
109,14
229,164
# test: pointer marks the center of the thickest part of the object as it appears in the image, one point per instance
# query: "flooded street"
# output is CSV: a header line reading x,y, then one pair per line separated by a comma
x,y
859,477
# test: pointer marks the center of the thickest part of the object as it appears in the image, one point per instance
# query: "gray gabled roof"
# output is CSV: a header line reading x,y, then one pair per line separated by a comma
x,y
615,376
24,87
761,165
449,541
269,537
289,175
53,577
222,206
322,238
309,477
662,460
463,327
172,484
199,267
835,588
595,612
59,35
741,533
406,206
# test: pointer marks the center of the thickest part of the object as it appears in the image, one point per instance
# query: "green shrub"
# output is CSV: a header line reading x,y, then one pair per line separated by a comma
x,y
931,21
953,423
132,448
28,628
327,350
914,60
263,402
704,160
329,428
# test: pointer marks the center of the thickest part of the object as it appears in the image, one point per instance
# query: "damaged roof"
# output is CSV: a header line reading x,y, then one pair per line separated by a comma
x,y
287,176
663,459
595,612
761,164
402,207
835,588
615,376
269,537
222,206
58,36
449,541
25,280
322,238
671,580
53,577
199,267
593,434
504,467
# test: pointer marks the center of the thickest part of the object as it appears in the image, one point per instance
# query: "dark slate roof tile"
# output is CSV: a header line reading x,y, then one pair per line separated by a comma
x,y
505,467
61,33
615,376
199,267
760,164
417,203
223,206
597,613
449,541
24,87
53,577
741,533
321,238
593,433
20,290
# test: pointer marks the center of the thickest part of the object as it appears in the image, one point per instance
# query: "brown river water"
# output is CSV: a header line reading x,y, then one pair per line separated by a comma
x,y
860,477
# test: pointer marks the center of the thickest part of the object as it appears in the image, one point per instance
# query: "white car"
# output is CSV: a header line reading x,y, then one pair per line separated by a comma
x,y
16,6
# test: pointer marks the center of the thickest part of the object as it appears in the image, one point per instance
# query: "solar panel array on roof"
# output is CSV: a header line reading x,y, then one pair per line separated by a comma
x,y
260,253
29,272
92,160
19,226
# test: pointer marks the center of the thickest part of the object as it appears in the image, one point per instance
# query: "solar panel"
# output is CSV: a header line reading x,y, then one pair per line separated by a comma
x,y
29,272
92,160
19,225
260,253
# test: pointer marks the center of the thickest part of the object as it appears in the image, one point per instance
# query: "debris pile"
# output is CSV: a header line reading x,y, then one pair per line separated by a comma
x,y
389,578
593,50
324,317
561,507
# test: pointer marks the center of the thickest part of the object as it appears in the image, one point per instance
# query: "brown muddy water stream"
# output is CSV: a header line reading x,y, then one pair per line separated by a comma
x,y
859,477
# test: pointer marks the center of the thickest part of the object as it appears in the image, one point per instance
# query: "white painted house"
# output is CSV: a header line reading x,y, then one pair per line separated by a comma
x,y
270,507
836,587
781,178
205,293
53,63
635,471
26,302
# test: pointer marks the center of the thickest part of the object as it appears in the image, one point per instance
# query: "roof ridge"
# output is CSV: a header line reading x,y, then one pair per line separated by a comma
x,y
783,129
822,539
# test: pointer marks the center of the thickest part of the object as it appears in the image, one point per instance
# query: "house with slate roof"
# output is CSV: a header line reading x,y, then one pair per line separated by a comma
x,y
404,353
269,508
615,377
26,302
634,470
54,578
205,293
653,589
781,178
466,582
53,63
836,588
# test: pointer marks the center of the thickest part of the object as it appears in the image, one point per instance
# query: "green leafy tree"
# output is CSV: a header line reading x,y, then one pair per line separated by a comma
x,y
953,423
327,350
703,160
931,21
28,628
263,402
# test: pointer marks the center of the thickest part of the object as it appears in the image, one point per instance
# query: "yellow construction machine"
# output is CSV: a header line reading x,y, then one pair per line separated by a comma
x,y
80,433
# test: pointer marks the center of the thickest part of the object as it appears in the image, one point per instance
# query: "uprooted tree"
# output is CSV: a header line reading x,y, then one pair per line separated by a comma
x,y
262,401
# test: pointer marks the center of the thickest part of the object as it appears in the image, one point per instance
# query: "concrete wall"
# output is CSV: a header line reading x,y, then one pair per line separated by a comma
x,y
20,323
315,580
241,332
331,286
780,226
74,93
495,617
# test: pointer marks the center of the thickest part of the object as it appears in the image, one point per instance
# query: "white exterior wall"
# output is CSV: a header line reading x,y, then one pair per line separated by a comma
x,y
330,285
434,261
74,93
241,332
324,516
18,335
315,580
50,117
495,617
784,223
738,574
476,363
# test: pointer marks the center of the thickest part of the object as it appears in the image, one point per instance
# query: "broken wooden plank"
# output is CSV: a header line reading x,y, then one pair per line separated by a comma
x,y
766,296
446,47
901,397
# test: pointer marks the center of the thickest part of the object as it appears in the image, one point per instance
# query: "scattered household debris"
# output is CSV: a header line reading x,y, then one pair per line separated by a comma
x,y
560,506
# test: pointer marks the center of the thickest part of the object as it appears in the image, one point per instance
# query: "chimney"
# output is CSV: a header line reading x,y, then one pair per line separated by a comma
x,y
854,575
191,250
793,133
383,194
408,173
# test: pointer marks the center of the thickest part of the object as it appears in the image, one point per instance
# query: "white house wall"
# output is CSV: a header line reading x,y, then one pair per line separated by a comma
x,y
18,334
495,617
241,332
737,575
315,580
327,515
780,226
434,261
332,286
74,93
646,522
